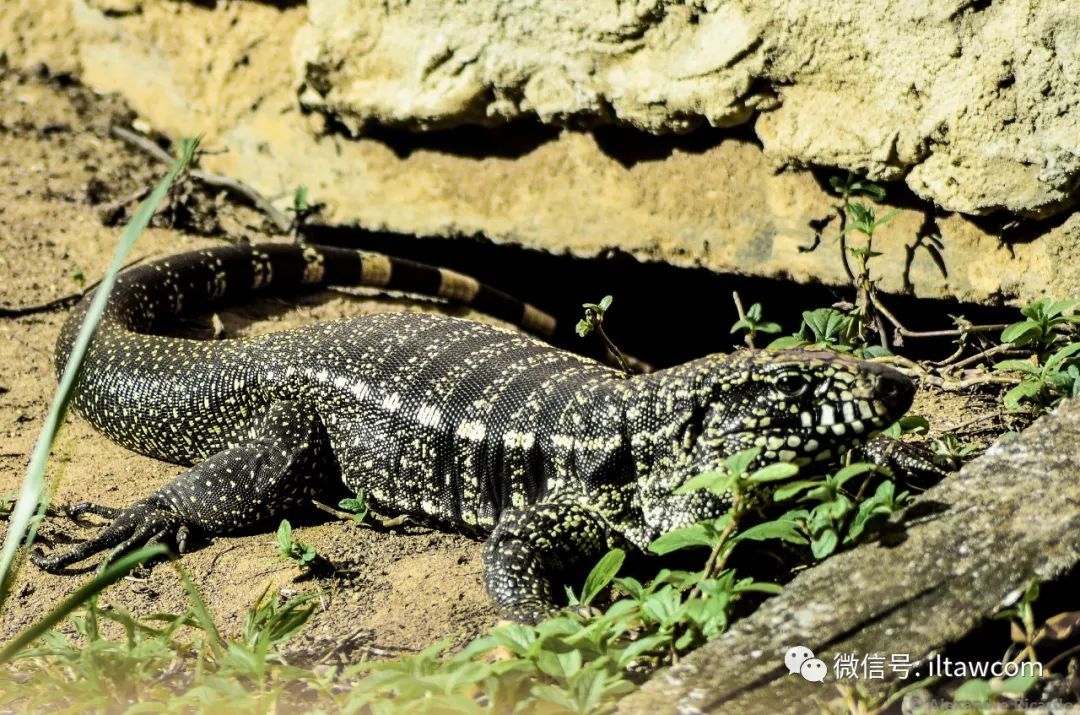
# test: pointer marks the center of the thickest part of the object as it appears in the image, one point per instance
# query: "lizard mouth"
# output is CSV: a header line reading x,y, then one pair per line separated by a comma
x,y
815,435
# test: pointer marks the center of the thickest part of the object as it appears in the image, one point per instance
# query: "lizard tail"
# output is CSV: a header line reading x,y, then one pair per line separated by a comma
x,y
148,296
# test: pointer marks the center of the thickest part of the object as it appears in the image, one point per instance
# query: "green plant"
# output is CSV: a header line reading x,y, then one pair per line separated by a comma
x,y
165,662
302,209
301,554
356,506
594,322
1046,323
1046,384
830,329
837,515
752,322
992,690
948,449
822,329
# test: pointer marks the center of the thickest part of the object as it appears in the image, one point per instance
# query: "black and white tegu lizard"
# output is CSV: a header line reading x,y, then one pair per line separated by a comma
x,y
472,427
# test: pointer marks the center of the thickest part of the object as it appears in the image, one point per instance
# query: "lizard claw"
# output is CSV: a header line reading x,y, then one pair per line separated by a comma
x,y
76,510
912,463
146,522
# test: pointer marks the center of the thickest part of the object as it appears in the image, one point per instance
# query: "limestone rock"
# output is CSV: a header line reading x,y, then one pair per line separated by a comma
x,y
972,104
972,544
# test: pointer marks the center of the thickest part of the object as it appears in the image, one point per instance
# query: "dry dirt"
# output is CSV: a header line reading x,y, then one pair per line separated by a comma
x,y
59,169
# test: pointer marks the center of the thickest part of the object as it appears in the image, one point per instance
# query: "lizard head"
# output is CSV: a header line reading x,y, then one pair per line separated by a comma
x,y
800,406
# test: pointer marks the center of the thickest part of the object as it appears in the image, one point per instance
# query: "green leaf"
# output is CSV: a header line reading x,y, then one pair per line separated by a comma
x,y
867,188
583,328
754,313
973,691
683,538
1017,366
787,342
605,303
863,214
771,589
300,199
109,575
769,328
1037,311
1021,333
715,482
284,537
787,531
602,574
1016,686
1061,355
1055,309
854,470
773,473
886,218
741,324
789,490
825,543
1024,391
739,462
356,506
914,424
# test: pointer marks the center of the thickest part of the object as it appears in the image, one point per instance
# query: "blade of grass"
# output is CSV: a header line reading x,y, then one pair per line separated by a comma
x,y
202,612
112,573
34,480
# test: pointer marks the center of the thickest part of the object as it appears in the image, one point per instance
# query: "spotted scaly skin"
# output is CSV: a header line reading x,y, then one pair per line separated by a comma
x,y
468,426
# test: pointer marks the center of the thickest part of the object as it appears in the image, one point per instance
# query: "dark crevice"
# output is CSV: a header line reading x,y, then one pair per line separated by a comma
x,y
631,146
508,141
662,313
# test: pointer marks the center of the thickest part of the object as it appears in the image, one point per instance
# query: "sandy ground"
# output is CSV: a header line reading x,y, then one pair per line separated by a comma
x,y
59,173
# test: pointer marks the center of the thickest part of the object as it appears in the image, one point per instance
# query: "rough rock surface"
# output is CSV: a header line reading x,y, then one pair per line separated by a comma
x,y
972,104
972,544
233,71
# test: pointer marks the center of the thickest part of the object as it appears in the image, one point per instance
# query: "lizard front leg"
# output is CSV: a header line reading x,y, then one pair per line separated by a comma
x,y
533,549
281,461
913,463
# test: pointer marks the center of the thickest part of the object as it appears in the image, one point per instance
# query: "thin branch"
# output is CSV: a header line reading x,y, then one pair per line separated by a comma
x,y
63,302
974,421
913,369
613,349
964,330
996,350
280,220
742,316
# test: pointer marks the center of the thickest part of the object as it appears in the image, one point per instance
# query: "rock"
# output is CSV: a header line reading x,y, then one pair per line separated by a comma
x,y
235,73
972,544
972,104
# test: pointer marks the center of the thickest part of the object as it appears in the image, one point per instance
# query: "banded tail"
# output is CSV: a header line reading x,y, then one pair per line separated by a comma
x,y
146,296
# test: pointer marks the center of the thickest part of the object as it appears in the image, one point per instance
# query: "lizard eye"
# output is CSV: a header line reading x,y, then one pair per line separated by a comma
x,y
792,385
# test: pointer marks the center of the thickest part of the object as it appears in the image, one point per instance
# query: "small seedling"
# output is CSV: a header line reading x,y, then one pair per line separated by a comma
x,y
302,209
948,449
301,554
594,322
751,321
356,506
